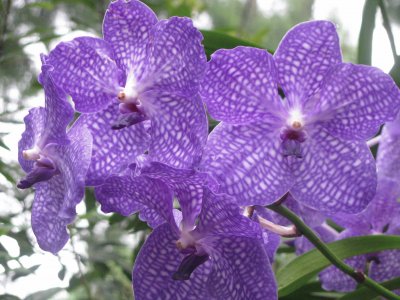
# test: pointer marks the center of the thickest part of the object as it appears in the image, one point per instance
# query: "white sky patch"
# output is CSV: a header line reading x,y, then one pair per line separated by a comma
x,y
272,7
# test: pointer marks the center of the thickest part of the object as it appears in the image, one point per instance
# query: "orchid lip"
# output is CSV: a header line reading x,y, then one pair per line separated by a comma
x,y
188,265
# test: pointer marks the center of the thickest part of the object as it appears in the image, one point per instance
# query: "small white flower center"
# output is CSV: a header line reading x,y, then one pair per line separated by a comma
x,y
295,119
31,154
130,93
185,240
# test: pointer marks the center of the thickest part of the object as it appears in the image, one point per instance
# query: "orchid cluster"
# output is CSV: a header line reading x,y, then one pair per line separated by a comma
x,y
294,123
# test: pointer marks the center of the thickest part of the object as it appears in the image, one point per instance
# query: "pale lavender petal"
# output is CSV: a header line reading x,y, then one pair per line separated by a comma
x,y
157,261
384,207
84,68
304,56
175,58
334,175
34,123
113,150
46,125
127,195
333,279
55,200
50,228
388,156
187,184
246,161
59,112
241,270
356,100
385,266
240,85
126,28
178,129
73,162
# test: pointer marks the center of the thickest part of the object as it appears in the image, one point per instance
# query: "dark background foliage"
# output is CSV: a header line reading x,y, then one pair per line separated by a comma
x,y
97,263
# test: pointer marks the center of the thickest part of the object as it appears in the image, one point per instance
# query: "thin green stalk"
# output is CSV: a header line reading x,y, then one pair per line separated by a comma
x,y
359,276
386,24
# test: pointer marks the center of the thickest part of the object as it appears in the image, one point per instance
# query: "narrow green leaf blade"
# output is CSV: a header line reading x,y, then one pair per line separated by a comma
x,y
303,268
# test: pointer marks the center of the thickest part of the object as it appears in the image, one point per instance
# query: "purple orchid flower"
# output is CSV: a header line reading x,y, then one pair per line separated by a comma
x,y
56,163
222,258
145,73
312,142
382,216
190,252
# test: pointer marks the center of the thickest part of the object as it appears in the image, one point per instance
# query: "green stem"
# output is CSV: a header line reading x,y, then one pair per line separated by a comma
x,y
359,276
386,24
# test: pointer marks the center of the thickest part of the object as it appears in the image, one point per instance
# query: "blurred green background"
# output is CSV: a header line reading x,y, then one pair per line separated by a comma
x,y
97,263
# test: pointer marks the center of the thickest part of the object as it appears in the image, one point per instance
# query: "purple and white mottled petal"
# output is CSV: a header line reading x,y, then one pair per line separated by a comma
x,y
386,266
246,161
350,220
220,215
127,195
326,233
113,150
178,129
271,244
388,156
304,56
187,184
356,99
59,112
157,261
384,207
241,270
175,59
334,175
85,69
271,240
333,279
72,161
34,126
47,225
240,85
126,28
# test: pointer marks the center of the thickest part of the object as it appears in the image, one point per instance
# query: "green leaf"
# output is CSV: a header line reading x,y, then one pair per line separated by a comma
x,y
22,272
214,40
366,32
395,72
3,145
9,297
46,294
4,170
61,273
305,267
364,293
